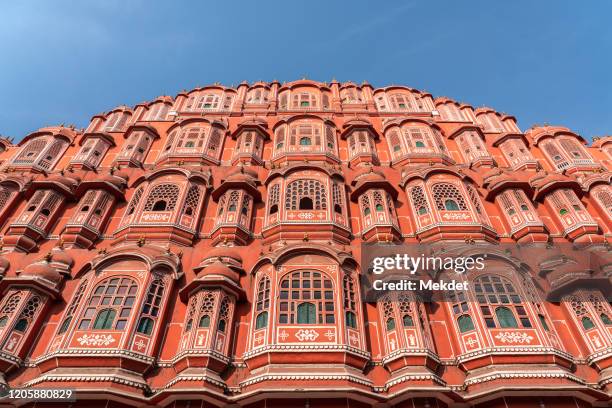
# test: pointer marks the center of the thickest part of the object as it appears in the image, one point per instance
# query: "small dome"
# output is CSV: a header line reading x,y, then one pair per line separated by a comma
x,y
42,270
61,256
219,269
369,175
222,252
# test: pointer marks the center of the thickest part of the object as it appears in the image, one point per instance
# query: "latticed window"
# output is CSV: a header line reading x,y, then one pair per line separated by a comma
x,y
30,151
192,201
419,202
207,307
565,201
192,138
76,301
5,196
110,305
9,307
601,308
280,138
304,100
350,306
151,307
306,195
115,122
554,154
401,102
473,194
224,315
471,146
134,201
306,297
404,303
448,198
500,303
388,313
461,310
581,311
337,198
330,138
162,197
305,135
263,303
257,95
515,151
27,314
157,112
214,142
365,205
603,195
418,139
395,143
573,149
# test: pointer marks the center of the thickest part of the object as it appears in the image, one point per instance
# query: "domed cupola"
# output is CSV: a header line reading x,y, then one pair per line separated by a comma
x,y
99,195
209,324
48,197
512,193
561,195
376,197
236,198
361,137
250,136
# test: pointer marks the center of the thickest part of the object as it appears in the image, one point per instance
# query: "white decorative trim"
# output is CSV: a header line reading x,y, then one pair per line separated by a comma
x,y
522,350
313,377
510,375
96,340
300,348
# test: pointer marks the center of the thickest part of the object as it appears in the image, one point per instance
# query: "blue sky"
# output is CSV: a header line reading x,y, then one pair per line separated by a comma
x,y
542,61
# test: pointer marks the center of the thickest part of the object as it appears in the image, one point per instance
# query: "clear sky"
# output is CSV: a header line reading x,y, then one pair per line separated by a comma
x,y
542,61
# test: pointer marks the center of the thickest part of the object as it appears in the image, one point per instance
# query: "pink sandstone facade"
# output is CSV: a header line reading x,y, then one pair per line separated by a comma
x,y
203,250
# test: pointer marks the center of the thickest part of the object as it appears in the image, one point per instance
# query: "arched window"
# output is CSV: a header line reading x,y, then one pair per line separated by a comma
x,y
105,319
263,302
223,315
206,309
390,323
261,321
162,197
9,307
26,316
587,323
76,301
350,306
306,297
500,303
312,190
419,202
451,205
110,304
337,198
306,313
274,198
603,195
192,201
448,198
151,307
465,323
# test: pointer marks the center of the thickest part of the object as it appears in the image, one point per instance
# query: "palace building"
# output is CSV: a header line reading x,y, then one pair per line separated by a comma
x,y
203,250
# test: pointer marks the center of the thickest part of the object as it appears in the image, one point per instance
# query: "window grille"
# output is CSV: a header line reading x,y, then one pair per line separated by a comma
x,y
306,297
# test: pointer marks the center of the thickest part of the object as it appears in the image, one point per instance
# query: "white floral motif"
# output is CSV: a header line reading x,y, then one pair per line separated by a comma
x,y
306,335
96,340
514,337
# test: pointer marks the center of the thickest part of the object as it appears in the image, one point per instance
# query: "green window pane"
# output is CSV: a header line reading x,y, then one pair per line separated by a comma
x,y
506,318
306,313
465,323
